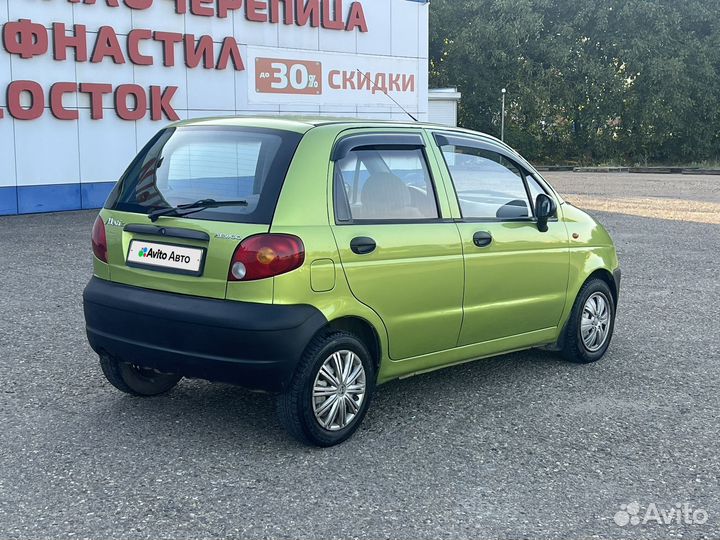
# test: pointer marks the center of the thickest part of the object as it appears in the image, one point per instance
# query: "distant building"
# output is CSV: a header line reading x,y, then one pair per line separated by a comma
x,y
443,104
83,85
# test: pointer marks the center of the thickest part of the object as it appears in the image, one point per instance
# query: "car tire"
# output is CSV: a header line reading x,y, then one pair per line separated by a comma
x,y
320,408
592,322
137,381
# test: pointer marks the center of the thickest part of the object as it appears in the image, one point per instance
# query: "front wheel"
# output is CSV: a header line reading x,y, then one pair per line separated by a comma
x,y
330,392
135,380
591,325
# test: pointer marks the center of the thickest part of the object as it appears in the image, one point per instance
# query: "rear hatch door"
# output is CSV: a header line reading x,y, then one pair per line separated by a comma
x,y
177,254
191,254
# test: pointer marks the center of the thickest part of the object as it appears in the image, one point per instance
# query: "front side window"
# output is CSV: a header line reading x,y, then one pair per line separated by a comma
x,y
535,188
488,185
384,185
189,164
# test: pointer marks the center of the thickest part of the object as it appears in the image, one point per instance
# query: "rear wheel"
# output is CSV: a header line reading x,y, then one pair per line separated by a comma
x,y
136,380
591,325
330,392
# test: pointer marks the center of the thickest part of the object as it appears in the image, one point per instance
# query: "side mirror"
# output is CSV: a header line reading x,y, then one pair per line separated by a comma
x,y
545,208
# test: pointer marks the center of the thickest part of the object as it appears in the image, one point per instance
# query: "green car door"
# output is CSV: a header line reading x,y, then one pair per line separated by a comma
x,y
516,275
400,251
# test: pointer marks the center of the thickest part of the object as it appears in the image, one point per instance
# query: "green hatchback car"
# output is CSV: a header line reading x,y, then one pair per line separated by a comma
x,y
318,258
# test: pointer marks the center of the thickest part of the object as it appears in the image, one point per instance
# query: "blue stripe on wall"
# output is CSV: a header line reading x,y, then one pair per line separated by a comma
x,y
53,198
8,200
95,195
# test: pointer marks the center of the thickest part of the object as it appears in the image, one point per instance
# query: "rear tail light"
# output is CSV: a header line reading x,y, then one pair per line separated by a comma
x,y
266,255
99,240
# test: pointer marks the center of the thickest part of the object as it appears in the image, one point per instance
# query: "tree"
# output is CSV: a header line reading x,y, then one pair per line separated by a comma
x,y
607,80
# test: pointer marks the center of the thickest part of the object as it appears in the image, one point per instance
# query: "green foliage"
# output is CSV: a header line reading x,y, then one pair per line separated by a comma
x,y
631,81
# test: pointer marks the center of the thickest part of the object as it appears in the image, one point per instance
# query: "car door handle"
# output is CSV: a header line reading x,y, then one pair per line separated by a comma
x,y
482,239
363,245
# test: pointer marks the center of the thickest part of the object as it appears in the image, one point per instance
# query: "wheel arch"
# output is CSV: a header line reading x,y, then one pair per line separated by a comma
x,y
364,331
606,276
600,273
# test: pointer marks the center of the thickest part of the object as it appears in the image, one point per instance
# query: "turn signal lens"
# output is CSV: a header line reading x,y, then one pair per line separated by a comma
x,y
99,241
265,256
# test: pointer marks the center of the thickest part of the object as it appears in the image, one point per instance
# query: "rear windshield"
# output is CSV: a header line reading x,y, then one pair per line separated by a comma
x,y
187,164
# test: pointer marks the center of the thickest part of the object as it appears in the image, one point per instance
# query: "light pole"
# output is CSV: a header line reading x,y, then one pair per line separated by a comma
x,y
502,120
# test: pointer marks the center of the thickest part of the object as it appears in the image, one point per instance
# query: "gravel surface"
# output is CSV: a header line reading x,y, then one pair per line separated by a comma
x,y
687,186
522,446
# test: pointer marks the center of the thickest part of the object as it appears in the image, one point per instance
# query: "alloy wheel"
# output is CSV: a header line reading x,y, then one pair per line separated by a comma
x,y
339,390
595,326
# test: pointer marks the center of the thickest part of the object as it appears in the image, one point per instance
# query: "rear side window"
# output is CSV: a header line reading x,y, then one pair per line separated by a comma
x,y
184,165
384,185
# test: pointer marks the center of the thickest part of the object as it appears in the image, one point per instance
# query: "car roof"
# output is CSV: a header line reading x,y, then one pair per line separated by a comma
x,y
297,122
303,124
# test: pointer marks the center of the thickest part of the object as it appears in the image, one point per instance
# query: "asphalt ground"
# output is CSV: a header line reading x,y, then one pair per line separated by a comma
x,y
521,446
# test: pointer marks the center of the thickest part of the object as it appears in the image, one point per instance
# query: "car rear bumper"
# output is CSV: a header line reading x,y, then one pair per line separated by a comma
x,y
253,345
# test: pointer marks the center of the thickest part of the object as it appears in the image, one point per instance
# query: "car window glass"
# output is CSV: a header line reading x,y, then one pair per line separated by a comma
x,y
535,188
212,161
188,164
387,185
488,185
215,168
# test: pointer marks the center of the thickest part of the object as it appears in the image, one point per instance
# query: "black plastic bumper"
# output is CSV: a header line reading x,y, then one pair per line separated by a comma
x,y
253,345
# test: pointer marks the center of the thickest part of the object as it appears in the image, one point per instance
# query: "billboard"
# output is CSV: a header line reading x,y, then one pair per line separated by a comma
x,y
85,83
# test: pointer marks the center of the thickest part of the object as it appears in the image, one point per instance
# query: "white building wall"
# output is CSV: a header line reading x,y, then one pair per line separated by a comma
x,y
47,164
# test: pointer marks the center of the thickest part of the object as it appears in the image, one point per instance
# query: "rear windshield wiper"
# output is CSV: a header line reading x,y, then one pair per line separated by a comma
x,y
187,209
